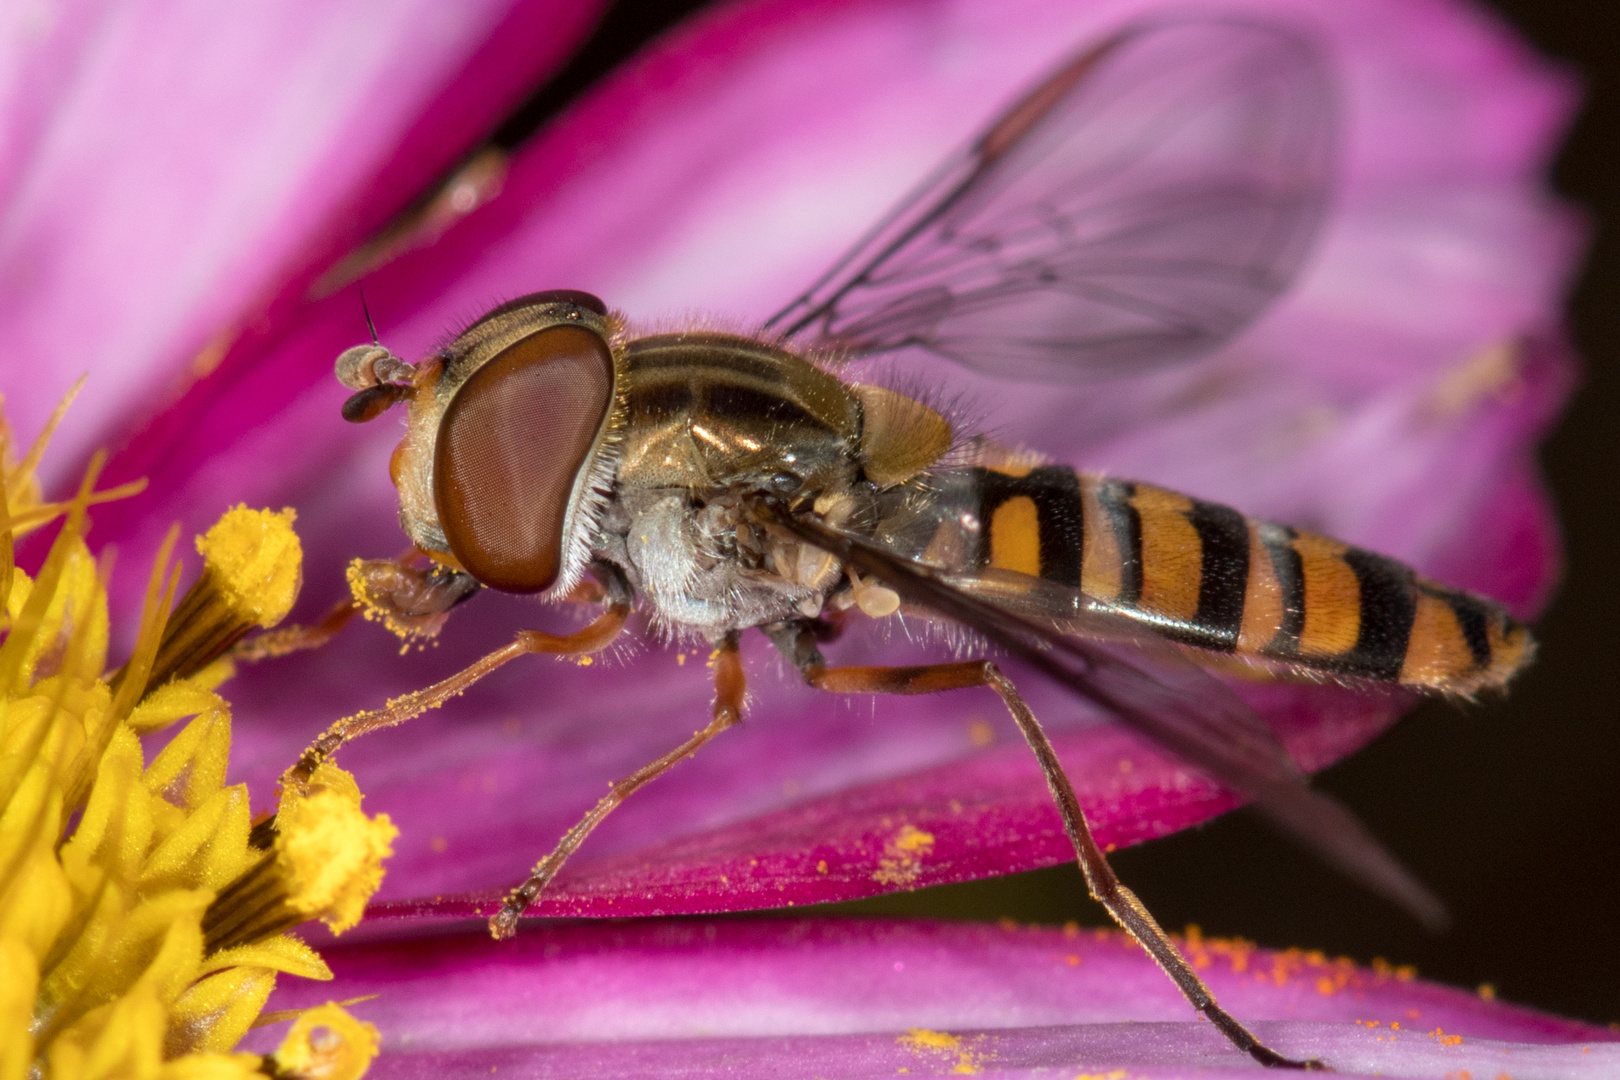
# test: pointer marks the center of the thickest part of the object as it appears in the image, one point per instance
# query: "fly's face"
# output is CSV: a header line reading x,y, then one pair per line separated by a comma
x,y
509,440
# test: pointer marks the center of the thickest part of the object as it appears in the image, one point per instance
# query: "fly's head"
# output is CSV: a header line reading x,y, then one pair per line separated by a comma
x,y
510,444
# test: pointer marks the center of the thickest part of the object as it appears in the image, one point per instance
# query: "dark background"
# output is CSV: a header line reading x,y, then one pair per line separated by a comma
x,y
1510,810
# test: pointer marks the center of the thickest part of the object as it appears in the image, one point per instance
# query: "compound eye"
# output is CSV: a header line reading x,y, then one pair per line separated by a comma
x,y
511,444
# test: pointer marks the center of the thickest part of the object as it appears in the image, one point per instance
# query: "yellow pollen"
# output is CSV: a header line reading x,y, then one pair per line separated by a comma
x,y
258,561
924,1041
902,856
912,838
932,1040
330,853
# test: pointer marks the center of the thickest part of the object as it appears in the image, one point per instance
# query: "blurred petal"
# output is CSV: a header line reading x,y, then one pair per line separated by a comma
x,y
168,172
1392,399
867,999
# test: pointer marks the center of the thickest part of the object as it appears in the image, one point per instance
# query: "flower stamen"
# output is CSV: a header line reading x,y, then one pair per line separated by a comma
x,y
252,570
109,864
325,1043
325,863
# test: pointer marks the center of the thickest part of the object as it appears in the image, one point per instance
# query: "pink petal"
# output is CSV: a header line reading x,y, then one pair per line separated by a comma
x,y
171,176
720,171
978,815
837,999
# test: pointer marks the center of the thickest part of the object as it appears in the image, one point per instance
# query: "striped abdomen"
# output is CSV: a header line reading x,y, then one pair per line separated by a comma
x,y
1205,575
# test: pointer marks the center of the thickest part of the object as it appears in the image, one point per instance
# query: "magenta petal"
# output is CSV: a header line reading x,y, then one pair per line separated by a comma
x,y
168,171
978,815
865,999
1391,399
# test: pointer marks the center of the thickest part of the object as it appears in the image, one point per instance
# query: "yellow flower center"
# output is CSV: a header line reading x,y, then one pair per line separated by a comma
x,y
111,866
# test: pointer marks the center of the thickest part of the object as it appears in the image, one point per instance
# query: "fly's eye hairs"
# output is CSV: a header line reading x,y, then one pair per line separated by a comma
x,y
510,445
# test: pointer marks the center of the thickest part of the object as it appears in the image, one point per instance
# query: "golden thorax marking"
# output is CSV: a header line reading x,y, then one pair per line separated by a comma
x,y
900,437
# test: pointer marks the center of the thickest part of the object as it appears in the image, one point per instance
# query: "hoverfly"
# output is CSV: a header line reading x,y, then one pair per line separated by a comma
x,y
1138,208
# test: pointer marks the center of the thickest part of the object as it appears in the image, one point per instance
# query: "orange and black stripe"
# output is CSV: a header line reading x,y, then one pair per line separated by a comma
x,y
1205,575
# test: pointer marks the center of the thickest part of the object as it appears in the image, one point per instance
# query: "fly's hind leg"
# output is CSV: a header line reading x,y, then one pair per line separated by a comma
x,y
730,687
798,646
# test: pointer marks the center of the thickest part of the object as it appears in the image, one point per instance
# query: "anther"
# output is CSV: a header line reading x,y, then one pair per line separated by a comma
x,y
324,862
325,1043
252,568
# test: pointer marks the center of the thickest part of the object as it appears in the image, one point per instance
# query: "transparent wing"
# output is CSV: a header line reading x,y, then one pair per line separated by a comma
x,y
1140,206
1178,705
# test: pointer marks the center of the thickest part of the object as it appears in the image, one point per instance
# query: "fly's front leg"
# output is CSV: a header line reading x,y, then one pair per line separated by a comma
x,y
291,639
798,646
730,687
411,599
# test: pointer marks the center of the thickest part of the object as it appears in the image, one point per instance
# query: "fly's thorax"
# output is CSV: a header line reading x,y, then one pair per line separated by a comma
x,y
706,412
714,421
710,565
511,440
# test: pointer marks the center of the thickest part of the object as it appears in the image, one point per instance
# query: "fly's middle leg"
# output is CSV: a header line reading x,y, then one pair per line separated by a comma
x,y
591,638
1122,904
730,687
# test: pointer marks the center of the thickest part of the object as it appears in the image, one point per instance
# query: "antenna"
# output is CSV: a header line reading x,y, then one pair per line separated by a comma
x,y
369,324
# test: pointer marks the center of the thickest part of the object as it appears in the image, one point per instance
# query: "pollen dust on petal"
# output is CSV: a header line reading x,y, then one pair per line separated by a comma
x,y
902,856
942,1044
1328,976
